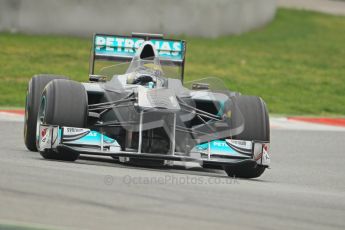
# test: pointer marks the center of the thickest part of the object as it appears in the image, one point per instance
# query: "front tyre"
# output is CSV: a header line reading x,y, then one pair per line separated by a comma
x,y
33,97
63,103
256,127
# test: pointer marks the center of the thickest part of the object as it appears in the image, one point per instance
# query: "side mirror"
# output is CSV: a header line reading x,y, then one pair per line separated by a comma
x,y
200,86
97,78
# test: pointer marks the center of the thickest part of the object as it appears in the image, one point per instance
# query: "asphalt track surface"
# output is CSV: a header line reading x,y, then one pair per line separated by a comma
x,y
304,189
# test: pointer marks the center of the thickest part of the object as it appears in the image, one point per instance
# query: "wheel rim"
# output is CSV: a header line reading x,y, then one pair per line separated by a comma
x,y
40,118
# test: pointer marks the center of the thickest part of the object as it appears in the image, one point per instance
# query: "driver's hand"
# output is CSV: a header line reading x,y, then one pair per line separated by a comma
x,y
130,78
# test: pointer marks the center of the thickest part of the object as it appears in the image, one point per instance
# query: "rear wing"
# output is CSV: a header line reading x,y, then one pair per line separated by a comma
x,y
123,48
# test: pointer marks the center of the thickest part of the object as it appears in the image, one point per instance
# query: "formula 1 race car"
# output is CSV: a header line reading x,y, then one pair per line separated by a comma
x,y
139,109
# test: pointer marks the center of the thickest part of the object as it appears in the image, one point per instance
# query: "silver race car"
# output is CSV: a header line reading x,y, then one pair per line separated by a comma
x,y
137,108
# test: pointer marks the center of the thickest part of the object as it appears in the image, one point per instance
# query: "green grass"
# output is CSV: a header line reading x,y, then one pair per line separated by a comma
x,y
296,63
18,227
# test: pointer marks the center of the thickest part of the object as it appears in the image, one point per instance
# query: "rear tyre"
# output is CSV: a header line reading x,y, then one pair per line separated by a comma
x,y
256,127
63,103
33,97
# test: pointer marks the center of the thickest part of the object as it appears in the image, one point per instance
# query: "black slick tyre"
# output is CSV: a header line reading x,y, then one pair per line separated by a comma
x,y
33,97
256,127
63,103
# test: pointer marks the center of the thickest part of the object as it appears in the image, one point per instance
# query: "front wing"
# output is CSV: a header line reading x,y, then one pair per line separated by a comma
x,y
216,152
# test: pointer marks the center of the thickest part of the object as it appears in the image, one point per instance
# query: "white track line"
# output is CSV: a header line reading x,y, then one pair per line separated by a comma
x,y
284,123
5,116
280,123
